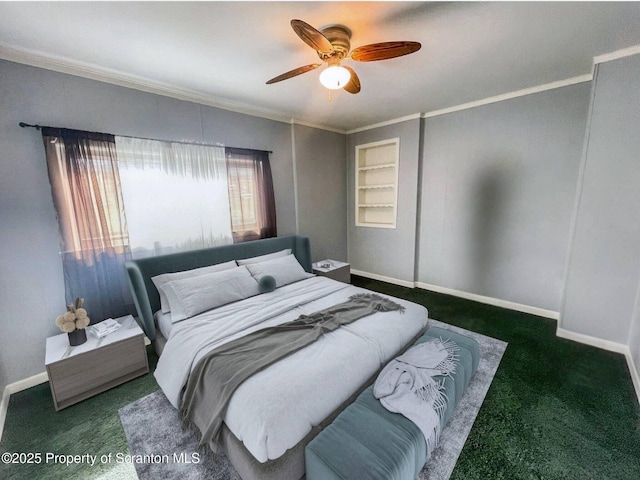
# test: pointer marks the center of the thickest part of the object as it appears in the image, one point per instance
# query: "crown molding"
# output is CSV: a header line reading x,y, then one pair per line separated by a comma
x,y
479,103
510,95
413,116
114,77
625,52
315,125
101,74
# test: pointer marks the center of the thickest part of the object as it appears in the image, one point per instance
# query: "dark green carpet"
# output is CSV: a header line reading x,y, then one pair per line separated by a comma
x,y
89,427
556,409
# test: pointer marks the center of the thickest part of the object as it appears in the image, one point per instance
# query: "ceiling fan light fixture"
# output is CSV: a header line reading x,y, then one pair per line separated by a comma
x,y
335,77
333,44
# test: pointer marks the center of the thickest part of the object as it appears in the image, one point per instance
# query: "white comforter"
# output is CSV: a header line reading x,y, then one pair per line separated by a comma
x,y
274,409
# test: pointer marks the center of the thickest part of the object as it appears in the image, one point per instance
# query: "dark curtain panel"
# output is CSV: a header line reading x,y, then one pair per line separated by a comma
x,y
85,186
251,196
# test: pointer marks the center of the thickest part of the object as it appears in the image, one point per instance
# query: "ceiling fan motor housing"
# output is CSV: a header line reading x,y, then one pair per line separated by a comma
x,y
340,38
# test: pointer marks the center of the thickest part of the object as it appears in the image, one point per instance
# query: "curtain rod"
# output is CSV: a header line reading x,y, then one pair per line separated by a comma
x,y
40,127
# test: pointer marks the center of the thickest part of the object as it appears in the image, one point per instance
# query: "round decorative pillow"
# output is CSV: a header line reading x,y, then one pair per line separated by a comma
x,y
267,284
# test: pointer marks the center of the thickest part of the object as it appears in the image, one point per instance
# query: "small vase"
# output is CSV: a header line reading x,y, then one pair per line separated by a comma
x,y
77,337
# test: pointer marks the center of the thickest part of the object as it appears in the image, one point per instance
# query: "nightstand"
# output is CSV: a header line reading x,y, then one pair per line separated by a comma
x,y
334,269
77,373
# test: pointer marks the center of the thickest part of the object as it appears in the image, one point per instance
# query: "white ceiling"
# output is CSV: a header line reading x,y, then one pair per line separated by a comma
x,y
222,53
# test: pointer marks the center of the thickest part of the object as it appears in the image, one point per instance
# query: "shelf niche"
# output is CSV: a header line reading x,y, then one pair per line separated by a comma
x,y
376,191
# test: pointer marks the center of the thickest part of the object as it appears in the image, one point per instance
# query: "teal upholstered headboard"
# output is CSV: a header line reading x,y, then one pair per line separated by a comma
x,y
146,296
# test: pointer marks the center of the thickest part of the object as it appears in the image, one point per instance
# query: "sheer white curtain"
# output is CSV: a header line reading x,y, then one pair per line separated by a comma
x,y
175,194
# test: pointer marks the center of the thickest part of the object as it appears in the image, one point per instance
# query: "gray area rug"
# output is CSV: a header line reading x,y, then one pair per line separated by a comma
x,y
153,429
444,457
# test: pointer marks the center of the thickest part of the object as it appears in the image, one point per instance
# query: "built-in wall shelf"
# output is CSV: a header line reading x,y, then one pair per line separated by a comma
x,y
377,183
377,167
368,187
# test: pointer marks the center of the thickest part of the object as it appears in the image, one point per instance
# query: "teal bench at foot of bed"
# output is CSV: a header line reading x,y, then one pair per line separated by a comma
x,y
367,442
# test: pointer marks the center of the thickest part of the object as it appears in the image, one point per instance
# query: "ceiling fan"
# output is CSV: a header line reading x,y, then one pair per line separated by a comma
x,y
332,45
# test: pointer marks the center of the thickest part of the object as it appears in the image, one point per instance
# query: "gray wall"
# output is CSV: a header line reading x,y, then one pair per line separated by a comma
x,y
533,200
497,194
486,197
604,269
322,191
31,283
634,334
389,252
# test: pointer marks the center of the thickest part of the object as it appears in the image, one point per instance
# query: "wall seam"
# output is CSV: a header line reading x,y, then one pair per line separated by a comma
x,y
634,314
416,258
577,201
295,177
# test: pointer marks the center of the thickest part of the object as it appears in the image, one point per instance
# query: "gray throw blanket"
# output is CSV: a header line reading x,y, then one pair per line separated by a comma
x,y
219,373
406,385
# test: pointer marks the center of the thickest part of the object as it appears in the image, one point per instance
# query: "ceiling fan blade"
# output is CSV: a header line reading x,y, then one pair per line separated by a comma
x,y
293,73
353,85
384,51
312,37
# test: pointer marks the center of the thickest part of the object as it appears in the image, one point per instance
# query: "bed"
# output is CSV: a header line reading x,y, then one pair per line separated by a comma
x,y
275,413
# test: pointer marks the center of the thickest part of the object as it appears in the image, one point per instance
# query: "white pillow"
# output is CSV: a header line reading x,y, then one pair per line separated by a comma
x,y
160,280
190,296
284,270
264,258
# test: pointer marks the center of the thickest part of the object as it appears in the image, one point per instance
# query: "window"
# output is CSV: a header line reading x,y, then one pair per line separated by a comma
x,y
175,196
118,196
251,197
94,242
243,197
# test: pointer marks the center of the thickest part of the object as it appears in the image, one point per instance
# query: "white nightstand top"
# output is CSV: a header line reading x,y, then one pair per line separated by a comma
x,y
335,264
58,347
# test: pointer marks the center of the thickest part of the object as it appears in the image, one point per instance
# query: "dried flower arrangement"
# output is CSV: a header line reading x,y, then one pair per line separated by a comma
x,y
75,318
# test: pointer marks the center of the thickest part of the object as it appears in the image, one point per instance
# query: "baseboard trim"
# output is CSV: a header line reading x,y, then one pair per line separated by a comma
x,y
496,302
382,278
633,371
15,388
23,384
593,341
4,405
605,345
